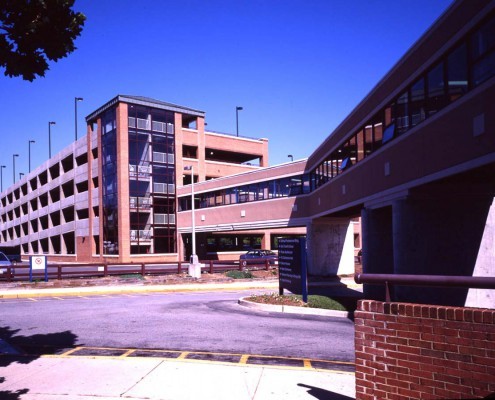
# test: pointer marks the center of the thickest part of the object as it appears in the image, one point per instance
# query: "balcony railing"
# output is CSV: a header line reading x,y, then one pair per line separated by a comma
x,y
142,234
140,202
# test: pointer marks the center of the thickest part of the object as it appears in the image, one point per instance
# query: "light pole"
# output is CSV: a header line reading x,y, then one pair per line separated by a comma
x,y
13,164
29,153
21,174
237,109
50,138
193,256
1,177
76,99
291,157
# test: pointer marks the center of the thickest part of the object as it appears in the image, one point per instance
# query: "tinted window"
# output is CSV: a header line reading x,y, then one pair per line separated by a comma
x,y
457,72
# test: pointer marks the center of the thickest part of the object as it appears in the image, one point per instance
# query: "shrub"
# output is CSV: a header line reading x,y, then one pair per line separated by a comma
x,y
239,274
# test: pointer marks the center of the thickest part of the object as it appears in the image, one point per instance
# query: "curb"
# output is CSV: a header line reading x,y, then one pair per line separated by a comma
x,y
107,290
294,310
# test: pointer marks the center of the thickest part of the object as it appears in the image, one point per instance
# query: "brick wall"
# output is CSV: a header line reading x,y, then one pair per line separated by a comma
x,y
423,351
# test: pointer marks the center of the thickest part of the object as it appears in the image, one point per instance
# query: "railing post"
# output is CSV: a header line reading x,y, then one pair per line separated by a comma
x,y
179,267
143,269
9,274
387,292
105,269
59,272
267,264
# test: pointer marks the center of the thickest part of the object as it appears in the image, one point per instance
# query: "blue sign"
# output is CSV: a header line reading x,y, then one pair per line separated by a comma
x,y
292,266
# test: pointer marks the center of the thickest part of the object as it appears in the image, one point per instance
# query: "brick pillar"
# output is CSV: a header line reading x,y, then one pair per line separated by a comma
x,y
122,138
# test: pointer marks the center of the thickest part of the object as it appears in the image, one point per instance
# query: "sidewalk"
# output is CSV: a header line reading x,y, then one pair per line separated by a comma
x,y
66,377
56,378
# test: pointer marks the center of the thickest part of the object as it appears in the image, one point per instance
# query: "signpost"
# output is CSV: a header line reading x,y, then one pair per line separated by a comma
x,y
37,263
292,266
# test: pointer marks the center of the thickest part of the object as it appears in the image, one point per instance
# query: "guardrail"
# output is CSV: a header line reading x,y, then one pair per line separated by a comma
x,y
389,280
81,270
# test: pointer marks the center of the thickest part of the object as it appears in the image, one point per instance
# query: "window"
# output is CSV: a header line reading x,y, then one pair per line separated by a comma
x,y
417,102
457,72
483,54
436,89
402,110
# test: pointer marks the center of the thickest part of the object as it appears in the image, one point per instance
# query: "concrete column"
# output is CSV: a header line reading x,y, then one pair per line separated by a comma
x,y
377,247
485,265
330,244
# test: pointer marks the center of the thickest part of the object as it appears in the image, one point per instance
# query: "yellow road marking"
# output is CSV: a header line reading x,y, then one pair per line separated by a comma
x,y
183,355
244,359
127,353
307,364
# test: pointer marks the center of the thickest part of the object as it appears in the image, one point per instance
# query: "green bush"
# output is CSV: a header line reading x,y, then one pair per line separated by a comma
x,y
239,274
327,303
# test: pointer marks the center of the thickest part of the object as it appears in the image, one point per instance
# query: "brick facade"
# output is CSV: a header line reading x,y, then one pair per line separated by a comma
x,y
423,351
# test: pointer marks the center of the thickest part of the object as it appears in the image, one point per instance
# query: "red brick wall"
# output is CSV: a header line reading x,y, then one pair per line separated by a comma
x,y
422,351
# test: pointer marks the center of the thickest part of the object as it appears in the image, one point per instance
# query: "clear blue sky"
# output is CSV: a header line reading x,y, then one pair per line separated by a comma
x,y
298,67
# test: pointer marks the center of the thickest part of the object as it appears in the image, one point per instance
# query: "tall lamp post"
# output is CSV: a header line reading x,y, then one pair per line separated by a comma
x,y
1,177
29,153
13,164
76,99
21,174
237,109
291,157
50,138
190,168
194,266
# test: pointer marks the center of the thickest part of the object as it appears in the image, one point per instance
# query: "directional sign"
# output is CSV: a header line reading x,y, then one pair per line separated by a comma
x,y
292,268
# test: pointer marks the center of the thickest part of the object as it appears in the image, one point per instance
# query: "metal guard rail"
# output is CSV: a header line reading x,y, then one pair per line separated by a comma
x,y
472,282
60,271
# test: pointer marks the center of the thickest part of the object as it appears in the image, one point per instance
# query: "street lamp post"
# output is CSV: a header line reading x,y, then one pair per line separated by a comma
x,y
29,153
76,99
13,165
237,109
291,157
21,174
1,177
50,138
194,266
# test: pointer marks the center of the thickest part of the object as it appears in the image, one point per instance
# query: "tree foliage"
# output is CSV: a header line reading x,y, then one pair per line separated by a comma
x,y
33,32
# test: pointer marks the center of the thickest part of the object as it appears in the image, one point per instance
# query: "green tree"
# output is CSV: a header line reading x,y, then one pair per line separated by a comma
x,y
33,32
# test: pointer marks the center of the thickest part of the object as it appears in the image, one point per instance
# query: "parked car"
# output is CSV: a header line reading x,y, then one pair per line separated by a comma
x,y
258,257
5,262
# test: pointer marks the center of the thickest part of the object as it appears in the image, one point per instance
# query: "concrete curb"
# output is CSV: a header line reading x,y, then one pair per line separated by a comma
x,y
294,310
108,290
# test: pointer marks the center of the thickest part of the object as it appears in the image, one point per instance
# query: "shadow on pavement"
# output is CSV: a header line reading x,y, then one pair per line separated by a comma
x,y
322,394
29,349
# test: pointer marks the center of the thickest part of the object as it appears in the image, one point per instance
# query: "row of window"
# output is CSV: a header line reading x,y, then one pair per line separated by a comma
x,y
467,65
276,188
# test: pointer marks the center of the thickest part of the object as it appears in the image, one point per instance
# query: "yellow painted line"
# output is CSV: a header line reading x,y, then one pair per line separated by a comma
x,y
68,353
244,359
307,364
127,353
183,355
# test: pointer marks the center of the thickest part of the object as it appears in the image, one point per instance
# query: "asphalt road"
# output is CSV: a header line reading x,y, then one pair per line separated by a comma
x,y
212,322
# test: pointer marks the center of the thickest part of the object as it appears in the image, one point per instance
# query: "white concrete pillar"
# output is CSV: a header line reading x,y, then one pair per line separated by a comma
x,y
330,244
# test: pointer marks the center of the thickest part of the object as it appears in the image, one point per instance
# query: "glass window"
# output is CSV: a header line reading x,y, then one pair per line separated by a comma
x,y
418,102
402,113
457,72
436,89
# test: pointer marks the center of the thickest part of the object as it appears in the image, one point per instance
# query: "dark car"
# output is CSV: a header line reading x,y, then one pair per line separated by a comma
x,y
258,257
4,263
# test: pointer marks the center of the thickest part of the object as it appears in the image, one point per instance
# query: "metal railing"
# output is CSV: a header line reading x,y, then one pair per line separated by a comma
x,y
389,280
84,270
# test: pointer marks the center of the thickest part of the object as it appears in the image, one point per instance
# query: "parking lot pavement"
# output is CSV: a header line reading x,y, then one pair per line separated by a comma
x,y
64,378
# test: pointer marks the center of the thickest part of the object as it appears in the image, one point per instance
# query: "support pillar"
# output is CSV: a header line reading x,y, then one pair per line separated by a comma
x,y
330,244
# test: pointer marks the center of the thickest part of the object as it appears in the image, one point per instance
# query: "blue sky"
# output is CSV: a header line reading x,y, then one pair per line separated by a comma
x,y
298,67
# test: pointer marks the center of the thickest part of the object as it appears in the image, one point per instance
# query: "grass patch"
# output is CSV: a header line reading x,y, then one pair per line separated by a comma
x,y
239,274
132,276
314,301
